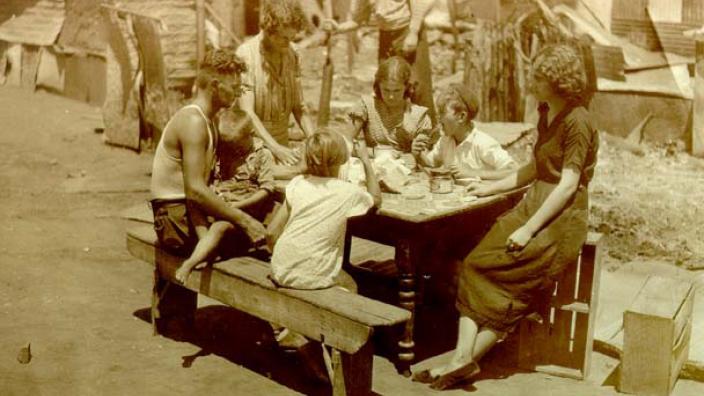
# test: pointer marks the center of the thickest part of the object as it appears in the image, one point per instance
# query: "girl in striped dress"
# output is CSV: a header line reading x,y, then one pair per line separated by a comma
x,y
388,119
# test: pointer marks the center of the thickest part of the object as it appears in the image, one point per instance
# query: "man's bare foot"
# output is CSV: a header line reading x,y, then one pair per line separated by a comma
x,y
182,273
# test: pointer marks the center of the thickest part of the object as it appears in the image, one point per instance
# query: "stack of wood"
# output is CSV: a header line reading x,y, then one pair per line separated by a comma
x,y
499,56
494,72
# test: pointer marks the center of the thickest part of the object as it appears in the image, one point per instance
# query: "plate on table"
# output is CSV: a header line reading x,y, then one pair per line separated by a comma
x,y
449,203
465,181
413,196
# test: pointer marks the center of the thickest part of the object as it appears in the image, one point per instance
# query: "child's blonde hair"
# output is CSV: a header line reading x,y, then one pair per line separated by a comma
x,y
324,150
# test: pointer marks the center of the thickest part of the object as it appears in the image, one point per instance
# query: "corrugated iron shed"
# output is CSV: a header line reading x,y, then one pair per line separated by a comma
x,y
658,25
38,24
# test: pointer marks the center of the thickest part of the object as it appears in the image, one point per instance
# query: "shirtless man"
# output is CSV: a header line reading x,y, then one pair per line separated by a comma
x,y
185,158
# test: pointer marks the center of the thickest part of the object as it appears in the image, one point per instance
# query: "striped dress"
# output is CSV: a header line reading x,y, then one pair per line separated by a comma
x,y
381,130
277,93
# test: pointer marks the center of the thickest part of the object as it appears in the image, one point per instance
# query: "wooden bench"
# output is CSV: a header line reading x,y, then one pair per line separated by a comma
x,y
562,343
339,319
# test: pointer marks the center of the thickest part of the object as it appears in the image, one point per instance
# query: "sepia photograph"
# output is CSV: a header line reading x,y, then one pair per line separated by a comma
x,y
352,197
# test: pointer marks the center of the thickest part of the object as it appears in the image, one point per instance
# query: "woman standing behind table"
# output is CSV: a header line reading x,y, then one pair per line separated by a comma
x,y
387,118
528,247
274,74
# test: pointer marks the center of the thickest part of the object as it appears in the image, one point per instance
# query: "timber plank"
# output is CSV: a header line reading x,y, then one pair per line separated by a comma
x,y
243,283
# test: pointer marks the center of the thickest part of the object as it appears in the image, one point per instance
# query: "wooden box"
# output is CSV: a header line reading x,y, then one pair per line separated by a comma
x,y
656,334
562,343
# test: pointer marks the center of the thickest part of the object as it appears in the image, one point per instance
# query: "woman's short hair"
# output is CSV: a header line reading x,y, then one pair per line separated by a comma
x,y
219,63
458,99
562,67
276,14
394,68
324,150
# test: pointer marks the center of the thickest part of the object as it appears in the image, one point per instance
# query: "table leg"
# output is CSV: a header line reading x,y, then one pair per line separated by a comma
x,y
406,297
346,252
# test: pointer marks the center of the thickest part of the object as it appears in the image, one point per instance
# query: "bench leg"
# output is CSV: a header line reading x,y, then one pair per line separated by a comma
x,y
352,373
170,301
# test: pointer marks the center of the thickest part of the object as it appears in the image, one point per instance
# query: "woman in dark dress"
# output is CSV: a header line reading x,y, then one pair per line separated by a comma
x,y
528,247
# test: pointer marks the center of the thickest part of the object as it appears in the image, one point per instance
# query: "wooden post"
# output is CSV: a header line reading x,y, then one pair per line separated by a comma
x,y
223,10
698,106
328,74
239,18
351,50
352,372
200,31
452,10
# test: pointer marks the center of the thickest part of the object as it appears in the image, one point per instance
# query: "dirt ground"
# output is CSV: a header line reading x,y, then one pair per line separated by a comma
x,y
69,287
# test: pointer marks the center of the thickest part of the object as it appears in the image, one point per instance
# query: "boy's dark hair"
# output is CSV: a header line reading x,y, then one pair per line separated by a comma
x,y
219,63
276,14
325,149
459,99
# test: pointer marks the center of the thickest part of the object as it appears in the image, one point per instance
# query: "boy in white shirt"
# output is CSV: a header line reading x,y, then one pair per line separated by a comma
x,y
463,148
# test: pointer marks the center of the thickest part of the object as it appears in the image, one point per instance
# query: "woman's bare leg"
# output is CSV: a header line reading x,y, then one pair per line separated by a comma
x,y
472,344
466,338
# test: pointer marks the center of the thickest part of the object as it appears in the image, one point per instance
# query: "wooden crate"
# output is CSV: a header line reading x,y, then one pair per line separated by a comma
x,y
656,334
562,344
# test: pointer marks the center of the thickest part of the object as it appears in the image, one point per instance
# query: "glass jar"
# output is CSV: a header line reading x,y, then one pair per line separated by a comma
x,y
441,182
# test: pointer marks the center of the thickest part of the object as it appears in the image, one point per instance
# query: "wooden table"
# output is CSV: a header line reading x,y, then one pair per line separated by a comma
x,y
413,222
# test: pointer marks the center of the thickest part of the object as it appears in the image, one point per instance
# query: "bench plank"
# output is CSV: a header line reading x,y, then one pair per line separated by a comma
x,y
332,316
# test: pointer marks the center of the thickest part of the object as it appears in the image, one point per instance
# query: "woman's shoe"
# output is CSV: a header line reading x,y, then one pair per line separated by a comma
x,y
424,377
456,377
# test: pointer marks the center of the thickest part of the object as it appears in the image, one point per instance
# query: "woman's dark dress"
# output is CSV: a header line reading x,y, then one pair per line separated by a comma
x,y
497,287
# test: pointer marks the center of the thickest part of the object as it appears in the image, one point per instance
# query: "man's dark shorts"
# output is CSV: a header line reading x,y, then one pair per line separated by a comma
x,y
177,235
174,229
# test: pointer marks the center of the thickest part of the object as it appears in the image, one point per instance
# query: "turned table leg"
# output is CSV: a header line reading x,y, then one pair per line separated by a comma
x,y
407,297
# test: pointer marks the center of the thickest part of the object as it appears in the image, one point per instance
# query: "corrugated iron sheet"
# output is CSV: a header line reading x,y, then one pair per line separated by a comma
x,y
665,10
657,36
693,11
38,24
630,9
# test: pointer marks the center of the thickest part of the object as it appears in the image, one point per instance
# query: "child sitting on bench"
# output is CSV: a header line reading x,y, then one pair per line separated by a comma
x,y
243,178
307,233
463,149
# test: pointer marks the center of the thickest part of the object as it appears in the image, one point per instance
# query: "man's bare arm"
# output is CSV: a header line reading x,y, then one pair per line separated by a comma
x,y
193,138
283,154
